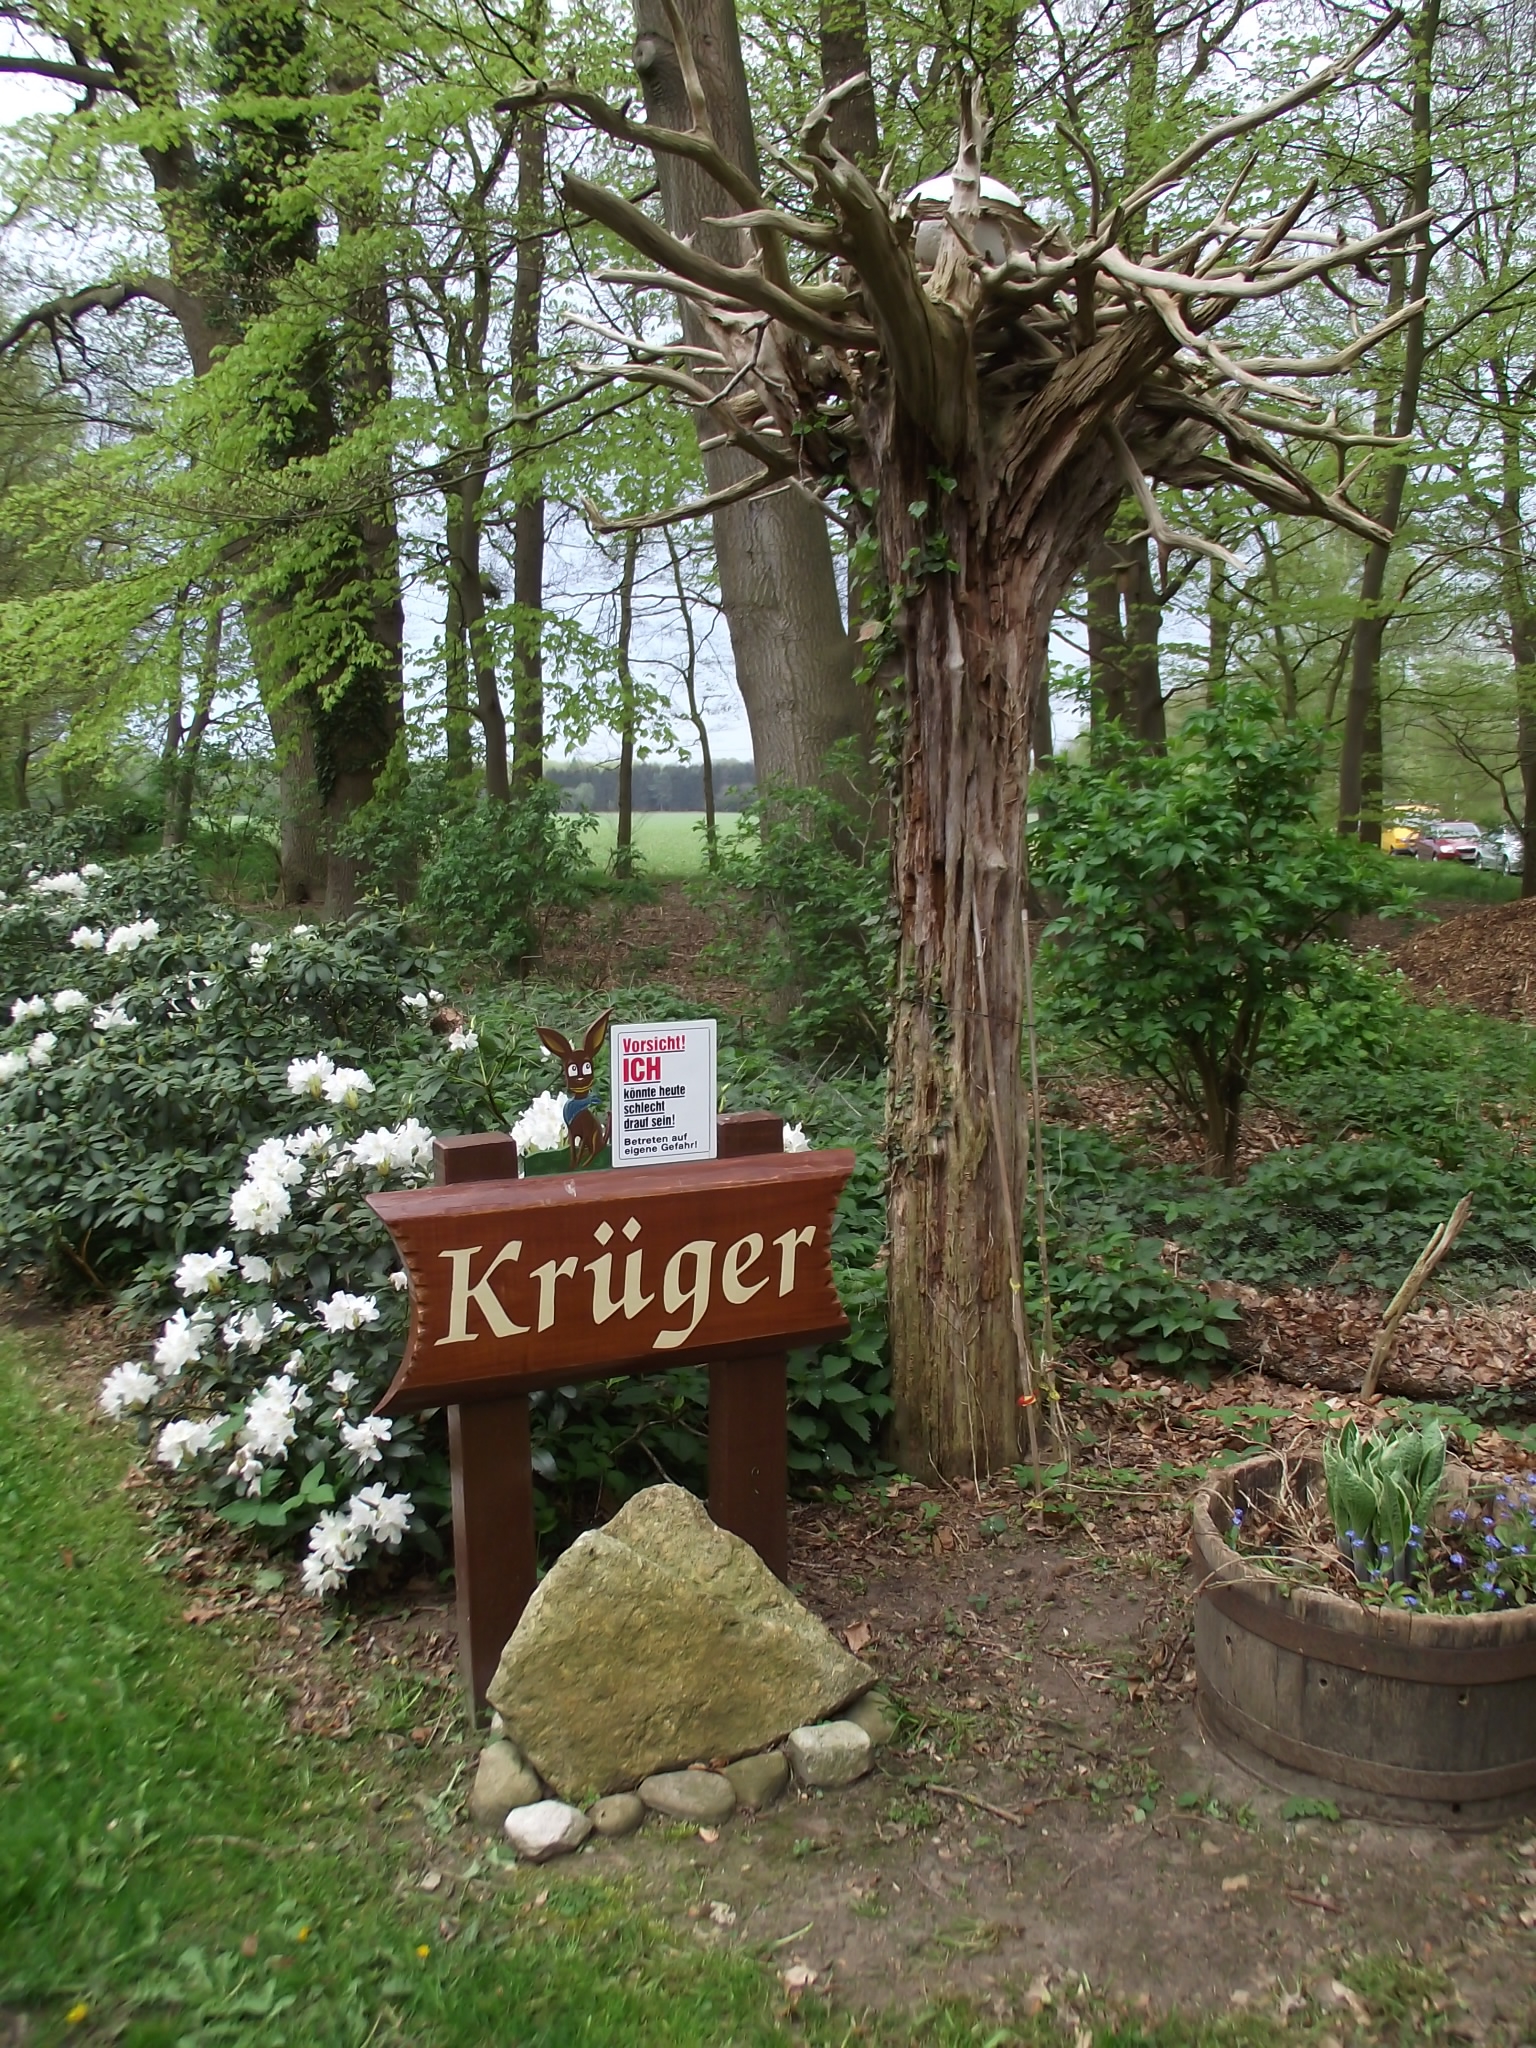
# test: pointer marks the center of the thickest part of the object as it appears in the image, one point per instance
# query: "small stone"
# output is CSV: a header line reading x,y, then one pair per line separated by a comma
x,y
502,1781
830,1753
758,1780
547,1828
619,1814
698,1796
877,1714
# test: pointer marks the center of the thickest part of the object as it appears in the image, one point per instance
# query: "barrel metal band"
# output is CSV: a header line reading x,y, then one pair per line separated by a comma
x,y
1457,1788
1497,1664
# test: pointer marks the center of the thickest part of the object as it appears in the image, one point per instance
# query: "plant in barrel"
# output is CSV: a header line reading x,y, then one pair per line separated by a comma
x,y
1381,1492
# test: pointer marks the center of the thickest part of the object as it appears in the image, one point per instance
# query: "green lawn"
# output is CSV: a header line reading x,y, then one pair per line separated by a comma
x,y
1448,881
670,843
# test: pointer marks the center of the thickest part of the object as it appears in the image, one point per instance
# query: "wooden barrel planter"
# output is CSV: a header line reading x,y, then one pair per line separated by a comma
x,y
1388,1714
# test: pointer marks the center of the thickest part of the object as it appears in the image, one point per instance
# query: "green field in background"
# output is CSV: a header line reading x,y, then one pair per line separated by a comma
x,y
668,842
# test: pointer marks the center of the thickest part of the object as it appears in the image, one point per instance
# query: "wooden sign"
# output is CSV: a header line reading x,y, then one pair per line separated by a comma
x,y
518,1284
529,1283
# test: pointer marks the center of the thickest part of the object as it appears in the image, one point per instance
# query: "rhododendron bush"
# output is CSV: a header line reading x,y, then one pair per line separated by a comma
x,y
195,1111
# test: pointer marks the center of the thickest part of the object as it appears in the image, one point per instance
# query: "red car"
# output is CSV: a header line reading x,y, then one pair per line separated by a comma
x,y
1441,841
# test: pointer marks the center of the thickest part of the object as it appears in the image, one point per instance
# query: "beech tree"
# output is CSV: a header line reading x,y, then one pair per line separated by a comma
x,y
986,392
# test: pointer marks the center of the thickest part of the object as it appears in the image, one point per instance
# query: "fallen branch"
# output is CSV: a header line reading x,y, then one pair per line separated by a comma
x,y
1017,1820
1444,1237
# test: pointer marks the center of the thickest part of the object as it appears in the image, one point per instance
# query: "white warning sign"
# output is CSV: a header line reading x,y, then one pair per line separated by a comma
x,y
663,1078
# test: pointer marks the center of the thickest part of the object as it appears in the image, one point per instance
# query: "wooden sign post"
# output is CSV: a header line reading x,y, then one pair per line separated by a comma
x,y
518,1285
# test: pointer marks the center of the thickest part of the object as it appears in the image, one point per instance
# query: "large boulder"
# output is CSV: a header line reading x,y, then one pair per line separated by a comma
x,y
661,1641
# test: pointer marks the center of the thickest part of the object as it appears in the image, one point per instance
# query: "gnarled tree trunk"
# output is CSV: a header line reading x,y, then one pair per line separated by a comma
x,y
976,637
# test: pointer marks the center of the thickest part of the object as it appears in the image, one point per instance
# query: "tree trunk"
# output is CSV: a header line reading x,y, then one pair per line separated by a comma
x,y
691,691
528,519
456,716
975,640
300,855
794,662
1124,624
528,672
1143,622
464,537
844,35
181,778
1359,783
1042,743
20,764
1519,611
624,838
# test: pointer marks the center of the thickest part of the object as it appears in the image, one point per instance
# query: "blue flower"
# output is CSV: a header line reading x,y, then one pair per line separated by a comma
x,y
1457,1558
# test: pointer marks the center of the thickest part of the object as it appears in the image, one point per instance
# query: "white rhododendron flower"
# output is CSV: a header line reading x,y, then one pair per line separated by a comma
x,y
92,871
313,1142
128,938
335,1546
86,938
462,1041
25,1008
393,1151
303,931
60,885
182,1443
346,1087
341,1383
245,1468
269,1426
308,1077
259,955
204,1272
417,1003
12,1064
260,1206
274,1159
126,1389
181,1341
795,1139
541,1127
399,1280
380,1516
256,1271
112,1017
436,995
69,999
366,1439
347,1311
40,1051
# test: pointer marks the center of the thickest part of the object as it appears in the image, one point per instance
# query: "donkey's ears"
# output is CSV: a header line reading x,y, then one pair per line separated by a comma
x,y
597,1031
557,1043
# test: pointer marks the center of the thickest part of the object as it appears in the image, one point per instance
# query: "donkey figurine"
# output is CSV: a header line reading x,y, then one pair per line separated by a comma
x,y
585,1128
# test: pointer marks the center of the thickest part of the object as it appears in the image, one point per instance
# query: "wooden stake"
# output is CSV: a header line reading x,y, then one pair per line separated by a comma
x,y
1444,1237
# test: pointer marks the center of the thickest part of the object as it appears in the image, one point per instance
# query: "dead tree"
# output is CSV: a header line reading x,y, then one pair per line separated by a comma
x,y
991,392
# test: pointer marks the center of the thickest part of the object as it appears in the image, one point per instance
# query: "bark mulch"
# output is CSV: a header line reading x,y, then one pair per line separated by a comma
x,y
1485,958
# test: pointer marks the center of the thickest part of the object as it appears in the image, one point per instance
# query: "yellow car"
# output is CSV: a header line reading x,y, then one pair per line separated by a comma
x,y
1400,834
